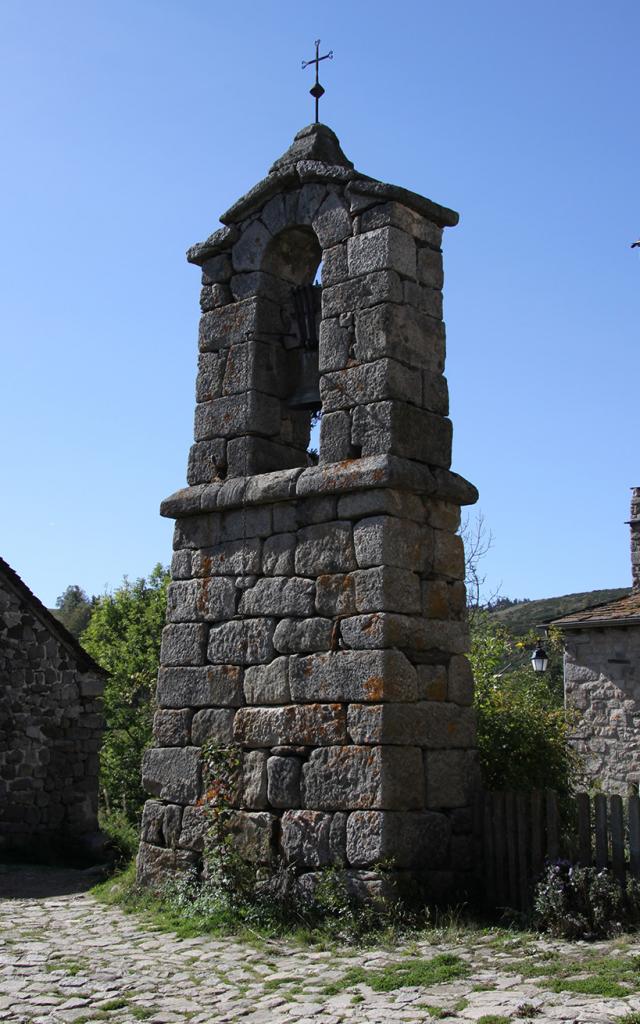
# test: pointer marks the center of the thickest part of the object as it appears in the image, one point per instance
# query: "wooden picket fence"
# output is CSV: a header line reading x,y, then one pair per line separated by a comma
x,y
521,831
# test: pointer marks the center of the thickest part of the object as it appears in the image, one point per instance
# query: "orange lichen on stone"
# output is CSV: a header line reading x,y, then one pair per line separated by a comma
x,y
374,687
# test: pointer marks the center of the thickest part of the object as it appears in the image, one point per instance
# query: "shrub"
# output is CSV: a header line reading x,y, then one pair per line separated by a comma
x,y
268,903
124,637
523,729
583,903
123,836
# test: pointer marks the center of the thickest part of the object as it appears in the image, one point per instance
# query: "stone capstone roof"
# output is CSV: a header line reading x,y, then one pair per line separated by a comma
x,y
315,155
315,142
623,612
84,660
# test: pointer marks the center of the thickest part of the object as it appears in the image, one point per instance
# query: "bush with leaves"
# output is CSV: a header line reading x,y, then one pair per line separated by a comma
x,y
123,835
124,637
523,729
573,902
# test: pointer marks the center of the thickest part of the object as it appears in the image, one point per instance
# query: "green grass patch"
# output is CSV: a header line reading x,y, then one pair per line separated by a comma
x,y
509,941
493,1018
598,985
549,954
593,975
185,920
416,974
142,1012
275,983
115,1004
629,1018
71,967
334,988
529,968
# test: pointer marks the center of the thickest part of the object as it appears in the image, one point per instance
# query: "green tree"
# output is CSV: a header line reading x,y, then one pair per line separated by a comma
x,y
73,609
124,638
523,729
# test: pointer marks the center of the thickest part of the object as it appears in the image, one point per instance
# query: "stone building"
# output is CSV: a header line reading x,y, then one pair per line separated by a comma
x,y
50,730
317,616
602,680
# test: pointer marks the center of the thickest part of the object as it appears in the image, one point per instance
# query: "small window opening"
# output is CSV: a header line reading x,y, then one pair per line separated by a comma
x,y
313,448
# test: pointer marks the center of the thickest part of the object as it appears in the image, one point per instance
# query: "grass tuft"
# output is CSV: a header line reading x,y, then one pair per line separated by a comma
x,y
418,973
593,975
71,967
528,1010
598,985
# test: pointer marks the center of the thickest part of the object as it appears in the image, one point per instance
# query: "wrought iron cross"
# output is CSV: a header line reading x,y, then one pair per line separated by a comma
x,y
317,91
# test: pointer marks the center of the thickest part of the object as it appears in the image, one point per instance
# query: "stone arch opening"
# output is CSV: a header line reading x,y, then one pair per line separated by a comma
x,y
293,255
294,259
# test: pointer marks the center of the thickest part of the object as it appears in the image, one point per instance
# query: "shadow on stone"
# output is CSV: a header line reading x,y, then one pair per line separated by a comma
x,y
36,881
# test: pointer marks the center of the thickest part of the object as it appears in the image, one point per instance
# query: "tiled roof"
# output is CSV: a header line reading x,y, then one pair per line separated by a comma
x,y
622,611
84,660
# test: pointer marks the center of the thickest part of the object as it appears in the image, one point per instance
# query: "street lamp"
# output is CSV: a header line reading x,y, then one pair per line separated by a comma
x,y
539,660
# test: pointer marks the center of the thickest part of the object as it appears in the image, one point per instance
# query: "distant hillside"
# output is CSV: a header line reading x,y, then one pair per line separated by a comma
x,y
527,615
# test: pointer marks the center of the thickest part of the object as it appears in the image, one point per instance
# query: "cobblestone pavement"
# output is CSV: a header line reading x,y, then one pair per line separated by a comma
x,y
66,958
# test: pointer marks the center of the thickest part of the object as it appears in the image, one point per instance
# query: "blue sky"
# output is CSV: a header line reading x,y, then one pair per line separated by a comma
x,y
128,127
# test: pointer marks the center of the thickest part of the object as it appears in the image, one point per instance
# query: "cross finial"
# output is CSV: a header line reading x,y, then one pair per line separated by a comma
x,y
317,91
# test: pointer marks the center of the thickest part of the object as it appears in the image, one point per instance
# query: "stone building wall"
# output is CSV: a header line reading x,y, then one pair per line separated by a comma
x,y
317,615
634,524
602,682
50,730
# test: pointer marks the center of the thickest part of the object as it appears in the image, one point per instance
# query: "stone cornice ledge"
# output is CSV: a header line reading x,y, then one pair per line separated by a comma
x,y
380,191
331,478
313,171
220,241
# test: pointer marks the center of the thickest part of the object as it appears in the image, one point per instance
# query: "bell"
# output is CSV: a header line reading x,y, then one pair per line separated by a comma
x,y
307,392
306,301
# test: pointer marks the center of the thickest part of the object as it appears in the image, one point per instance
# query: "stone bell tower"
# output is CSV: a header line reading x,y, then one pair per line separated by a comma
x,y
316,618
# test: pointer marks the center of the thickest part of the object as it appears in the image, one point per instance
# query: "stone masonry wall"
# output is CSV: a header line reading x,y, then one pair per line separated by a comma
x,y
317,614
635,537
50,730
602,681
